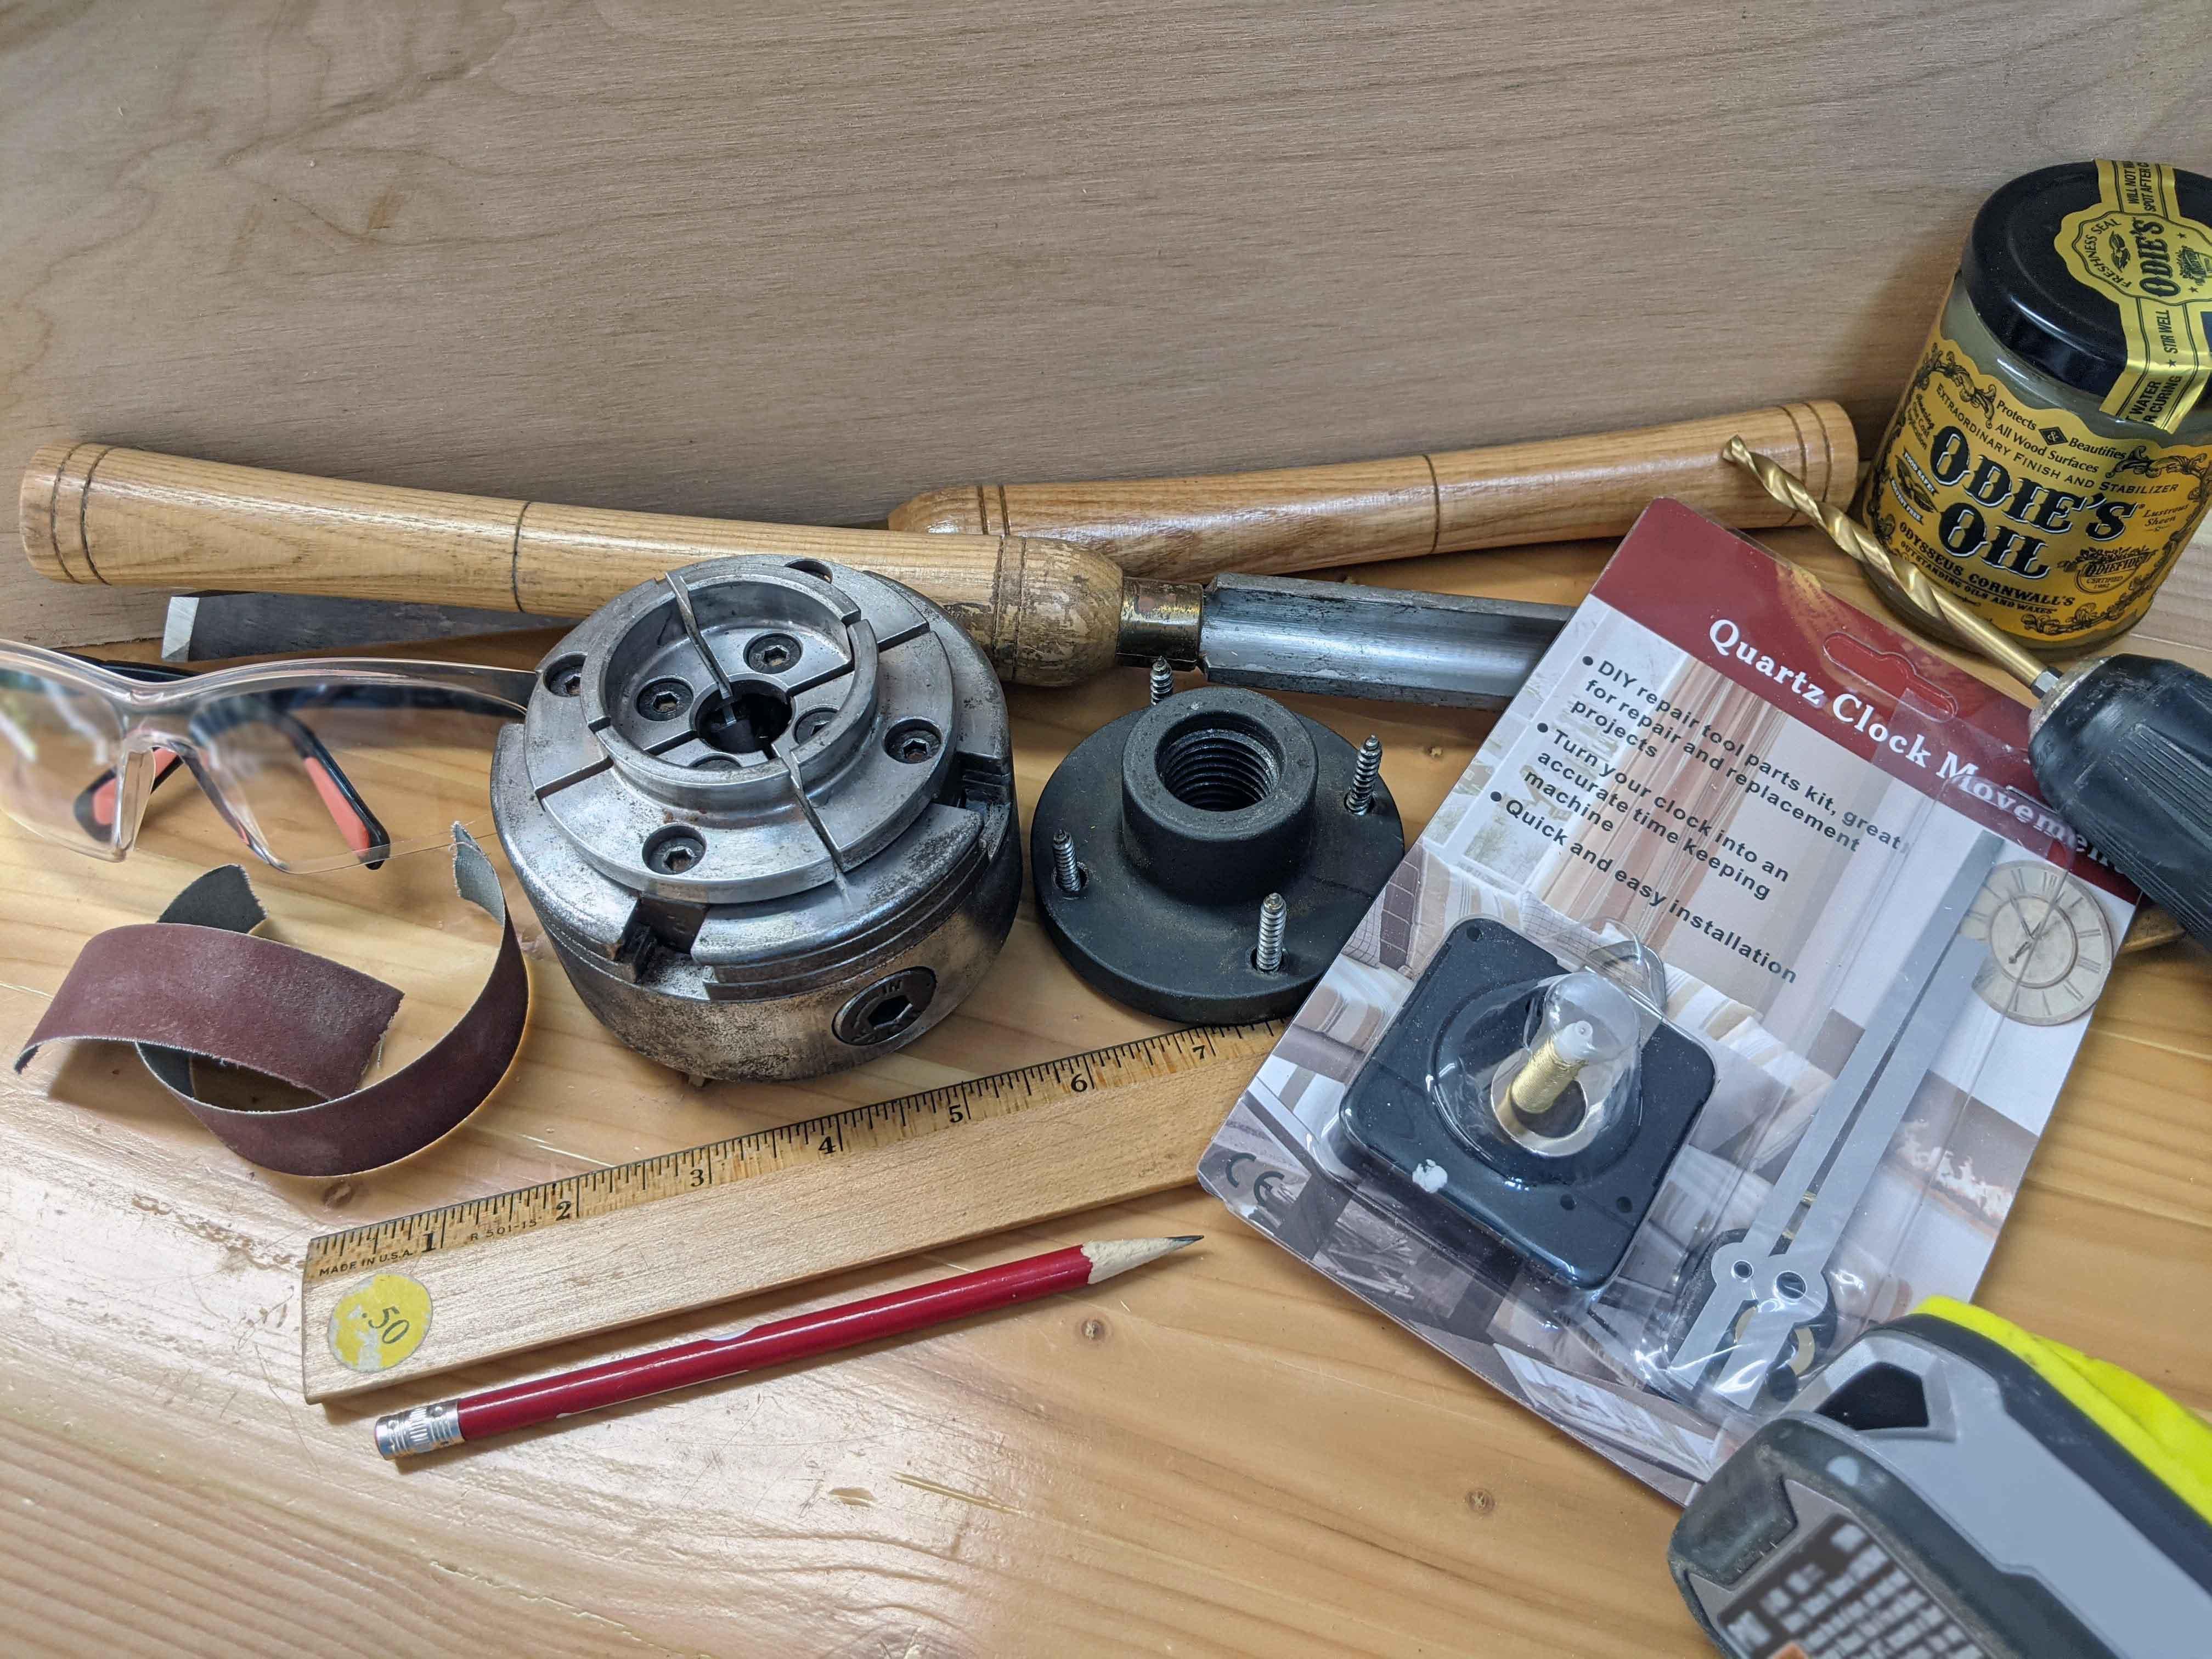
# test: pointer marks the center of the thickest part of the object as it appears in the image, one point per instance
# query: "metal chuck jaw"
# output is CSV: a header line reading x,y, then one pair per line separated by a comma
x,y
765,812
1205,859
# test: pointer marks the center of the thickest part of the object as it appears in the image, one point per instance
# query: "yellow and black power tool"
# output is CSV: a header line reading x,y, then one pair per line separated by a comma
x,y
1951,1487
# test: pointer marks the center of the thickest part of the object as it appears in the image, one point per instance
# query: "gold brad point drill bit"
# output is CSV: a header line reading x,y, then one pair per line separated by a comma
x,y
1552,1066
1934,607
2152,925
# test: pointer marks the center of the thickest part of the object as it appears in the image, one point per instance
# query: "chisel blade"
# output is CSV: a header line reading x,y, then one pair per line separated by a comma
x,y
215,626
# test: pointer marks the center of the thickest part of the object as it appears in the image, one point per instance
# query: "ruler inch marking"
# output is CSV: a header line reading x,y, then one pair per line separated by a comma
x,y
494,1218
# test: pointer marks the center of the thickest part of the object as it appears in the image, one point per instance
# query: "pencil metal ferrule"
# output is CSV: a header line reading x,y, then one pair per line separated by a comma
x,y
419,1429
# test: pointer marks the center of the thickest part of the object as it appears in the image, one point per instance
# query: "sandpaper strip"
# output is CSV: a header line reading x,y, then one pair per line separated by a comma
x,y
196,984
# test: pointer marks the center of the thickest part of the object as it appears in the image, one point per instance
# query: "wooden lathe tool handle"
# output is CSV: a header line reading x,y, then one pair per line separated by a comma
x,y
1365,512
1046,615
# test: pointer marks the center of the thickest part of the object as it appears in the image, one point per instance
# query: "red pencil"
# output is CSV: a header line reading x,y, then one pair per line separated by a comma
x,y
520,1405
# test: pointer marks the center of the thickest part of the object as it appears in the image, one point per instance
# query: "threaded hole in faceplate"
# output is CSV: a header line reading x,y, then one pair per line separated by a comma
x,y
1218,769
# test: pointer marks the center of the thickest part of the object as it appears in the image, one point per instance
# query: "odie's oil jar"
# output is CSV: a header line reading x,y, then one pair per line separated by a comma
x,y
2052,454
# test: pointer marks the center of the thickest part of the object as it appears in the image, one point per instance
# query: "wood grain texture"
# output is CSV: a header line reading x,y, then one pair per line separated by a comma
x,y
1368,512
95,513
1234,1458
693,1249
1046,612
2179,625
796,263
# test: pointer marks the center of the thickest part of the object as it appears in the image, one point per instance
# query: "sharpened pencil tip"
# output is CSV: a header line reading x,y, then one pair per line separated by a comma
x,y
1110,1256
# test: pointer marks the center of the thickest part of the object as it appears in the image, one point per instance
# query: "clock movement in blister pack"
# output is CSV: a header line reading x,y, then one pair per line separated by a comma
x,y
1543,1105
1714,1017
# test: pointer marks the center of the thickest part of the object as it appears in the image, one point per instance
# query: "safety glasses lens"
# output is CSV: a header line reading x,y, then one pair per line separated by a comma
x,y
58,748
323,776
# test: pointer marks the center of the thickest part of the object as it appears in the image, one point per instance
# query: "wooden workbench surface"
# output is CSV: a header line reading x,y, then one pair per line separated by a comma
x,y
1225,1455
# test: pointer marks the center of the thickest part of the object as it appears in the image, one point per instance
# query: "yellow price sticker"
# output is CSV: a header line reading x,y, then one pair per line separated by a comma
x,y
380,1322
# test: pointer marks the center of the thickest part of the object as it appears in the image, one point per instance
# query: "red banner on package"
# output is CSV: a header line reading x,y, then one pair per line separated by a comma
x,y
1773,630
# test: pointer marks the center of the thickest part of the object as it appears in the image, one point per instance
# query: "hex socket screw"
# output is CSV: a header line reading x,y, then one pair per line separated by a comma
x,y
1163,680
1065,871
1268,954
1364,771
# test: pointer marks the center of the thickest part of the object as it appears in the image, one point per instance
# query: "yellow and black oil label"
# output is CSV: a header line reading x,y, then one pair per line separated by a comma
x,y
2054,533
2134,245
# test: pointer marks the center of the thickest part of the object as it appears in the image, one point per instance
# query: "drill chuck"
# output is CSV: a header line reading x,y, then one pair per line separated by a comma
x,y
2123,750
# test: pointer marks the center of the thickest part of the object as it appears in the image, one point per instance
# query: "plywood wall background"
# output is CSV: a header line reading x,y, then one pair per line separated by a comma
x,y
798,261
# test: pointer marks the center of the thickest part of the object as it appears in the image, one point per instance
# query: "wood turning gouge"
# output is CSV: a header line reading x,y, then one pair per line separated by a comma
x,y
1044,614
1100,574
1175,530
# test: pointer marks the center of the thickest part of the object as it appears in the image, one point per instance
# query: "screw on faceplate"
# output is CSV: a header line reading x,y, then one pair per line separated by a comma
x,y
1065,871
1163,680
1267,954
1369,767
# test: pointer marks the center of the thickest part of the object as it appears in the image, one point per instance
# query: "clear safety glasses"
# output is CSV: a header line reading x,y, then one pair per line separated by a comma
x,y
316,764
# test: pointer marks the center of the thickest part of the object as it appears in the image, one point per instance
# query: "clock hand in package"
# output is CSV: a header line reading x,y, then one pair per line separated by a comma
x,y
1713,1019
1769,1283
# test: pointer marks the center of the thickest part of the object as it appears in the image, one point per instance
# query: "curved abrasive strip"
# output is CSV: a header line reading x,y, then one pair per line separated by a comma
x,y
196,984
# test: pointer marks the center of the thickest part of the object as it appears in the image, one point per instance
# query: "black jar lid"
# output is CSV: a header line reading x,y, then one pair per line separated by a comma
x,y
2027,298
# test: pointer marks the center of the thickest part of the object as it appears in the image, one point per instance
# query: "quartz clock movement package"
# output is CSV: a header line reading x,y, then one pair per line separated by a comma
x,y
1714,1017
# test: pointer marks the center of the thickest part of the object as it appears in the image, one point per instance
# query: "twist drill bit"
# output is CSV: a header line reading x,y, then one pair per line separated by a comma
x,y
1932,607
2121,746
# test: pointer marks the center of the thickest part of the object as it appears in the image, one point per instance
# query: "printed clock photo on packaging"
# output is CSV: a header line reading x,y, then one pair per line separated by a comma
x,y
1715,1016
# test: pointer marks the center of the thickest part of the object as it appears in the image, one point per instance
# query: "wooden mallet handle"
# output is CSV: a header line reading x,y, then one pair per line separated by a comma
x,y
1047,615
1365,512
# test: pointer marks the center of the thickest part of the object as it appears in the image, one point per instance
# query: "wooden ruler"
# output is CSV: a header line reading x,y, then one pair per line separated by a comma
x,y
426,1292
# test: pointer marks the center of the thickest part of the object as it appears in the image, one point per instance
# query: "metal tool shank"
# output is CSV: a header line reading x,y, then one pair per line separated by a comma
x,y
1342,640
